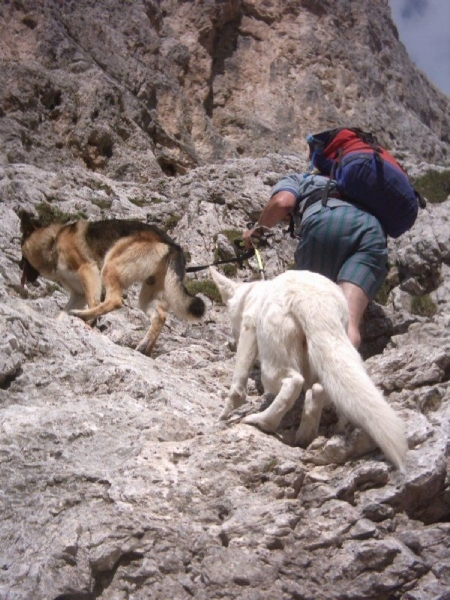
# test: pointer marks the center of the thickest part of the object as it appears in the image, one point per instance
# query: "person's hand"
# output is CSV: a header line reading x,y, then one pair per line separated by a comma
x,y
247,237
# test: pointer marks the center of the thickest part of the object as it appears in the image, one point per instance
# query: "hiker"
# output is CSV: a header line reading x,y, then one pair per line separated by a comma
x,y
344,213
339,240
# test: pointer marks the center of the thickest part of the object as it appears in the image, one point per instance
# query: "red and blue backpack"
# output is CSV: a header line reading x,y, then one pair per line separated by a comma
x,y
367,176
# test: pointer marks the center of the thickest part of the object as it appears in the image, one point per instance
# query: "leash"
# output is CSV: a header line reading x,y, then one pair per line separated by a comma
x,y
255,252
240,254
257,242
239,259
260,265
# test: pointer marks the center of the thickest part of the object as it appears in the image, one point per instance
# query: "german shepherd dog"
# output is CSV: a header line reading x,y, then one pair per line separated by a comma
x,y
88,258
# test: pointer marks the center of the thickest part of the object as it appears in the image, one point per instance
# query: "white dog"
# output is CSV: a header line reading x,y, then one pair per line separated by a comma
x,y
297,325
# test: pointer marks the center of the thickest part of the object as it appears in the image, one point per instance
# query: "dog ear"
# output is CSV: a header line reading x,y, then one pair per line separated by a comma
x,y
226,286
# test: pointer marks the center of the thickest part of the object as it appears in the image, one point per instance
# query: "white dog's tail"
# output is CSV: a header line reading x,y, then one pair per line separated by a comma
x,y
341,372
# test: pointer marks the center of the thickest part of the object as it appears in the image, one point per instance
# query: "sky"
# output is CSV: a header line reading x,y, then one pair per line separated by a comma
x,y
424,29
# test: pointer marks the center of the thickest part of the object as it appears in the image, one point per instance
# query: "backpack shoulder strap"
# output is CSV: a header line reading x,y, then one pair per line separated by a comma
x,y
326,189
420,199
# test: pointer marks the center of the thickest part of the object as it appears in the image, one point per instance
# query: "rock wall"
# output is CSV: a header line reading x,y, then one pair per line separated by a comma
x,y
133,89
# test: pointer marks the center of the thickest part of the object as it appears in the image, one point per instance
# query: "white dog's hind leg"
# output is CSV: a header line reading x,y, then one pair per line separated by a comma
x,y
341,424
270,419
312,411
246,353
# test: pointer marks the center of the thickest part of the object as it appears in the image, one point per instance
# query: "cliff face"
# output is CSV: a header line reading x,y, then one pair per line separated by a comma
x,y
117,481
133,88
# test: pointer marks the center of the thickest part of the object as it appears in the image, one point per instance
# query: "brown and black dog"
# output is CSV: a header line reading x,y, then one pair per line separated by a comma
x,y
87,258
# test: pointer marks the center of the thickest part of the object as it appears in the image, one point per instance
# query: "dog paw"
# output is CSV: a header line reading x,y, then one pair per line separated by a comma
x,y
90,323
142,348
260,422
77,313
304,438
233,402
62,316
146,345
225,414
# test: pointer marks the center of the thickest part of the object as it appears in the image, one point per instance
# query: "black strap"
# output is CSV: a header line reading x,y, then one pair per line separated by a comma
x,y
420,199
312,199
238,259
291,227
326,189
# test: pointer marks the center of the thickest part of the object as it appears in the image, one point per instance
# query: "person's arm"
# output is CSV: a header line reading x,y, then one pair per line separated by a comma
x,y
277,209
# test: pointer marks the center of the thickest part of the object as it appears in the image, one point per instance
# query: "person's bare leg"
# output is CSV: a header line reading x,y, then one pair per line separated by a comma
x,y
357,301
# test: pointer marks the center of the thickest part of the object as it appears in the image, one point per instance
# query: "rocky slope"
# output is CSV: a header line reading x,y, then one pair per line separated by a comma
x,y
117,480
